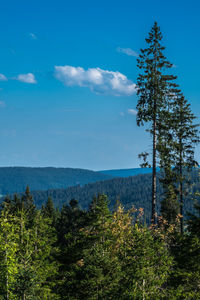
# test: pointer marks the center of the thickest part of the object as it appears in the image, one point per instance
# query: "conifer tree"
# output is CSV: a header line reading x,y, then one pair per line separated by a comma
x,y
167,176
35,264
194,221
28,206
48,211
9,246
153,84
186,136
176,144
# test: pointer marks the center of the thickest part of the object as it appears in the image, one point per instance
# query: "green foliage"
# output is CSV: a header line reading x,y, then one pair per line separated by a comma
x,y
154,88
26,247
112,258
170,205
130,191
171,125
97,254
9,246
194,221
185,278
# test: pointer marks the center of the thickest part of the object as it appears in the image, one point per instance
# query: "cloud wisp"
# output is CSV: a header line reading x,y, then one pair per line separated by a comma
x,y
129,111
98,80
3,77
27,78
127,51
32,36
132,112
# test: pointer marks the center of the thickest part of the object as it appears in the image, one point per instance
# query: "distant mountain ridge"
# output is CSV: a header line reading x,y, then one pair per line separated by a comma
x,y
129,190
133,190
15,179
126,172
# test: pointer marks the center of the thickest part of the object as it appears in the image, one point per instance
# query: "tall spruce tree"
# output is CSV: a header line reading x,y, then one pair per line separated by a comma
x,y
186,136
178,136
153,84
167,176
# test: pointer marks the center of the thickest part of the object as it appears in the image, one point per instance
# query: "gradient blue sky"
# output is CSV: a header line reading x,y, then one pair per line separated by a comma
x,y
84,118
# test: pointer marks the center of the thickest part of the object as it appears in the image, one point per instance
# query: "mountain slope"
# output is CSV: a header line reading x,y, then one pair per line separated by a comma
x,y
129,191
15,179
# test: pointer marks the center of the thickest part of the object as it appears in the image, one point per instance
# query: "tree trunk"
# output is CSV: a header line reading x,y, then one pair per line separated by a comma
x,y
181,192
153,215
6,263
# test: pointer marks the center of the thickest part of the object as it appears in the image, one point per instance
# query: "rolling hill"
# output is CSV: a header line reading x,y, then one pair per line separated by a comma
x,y
135,190
15,179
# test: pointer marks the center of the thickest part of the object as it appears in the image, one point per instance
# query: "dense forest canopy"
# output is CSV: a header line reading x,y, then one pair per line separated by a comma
x,y
94,254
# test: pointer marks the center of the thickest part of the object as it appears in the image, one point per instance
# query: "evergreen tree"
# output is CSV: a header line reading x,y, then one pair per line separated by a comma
x,y
36,266
92,272
152,87
167,176
194,221
9,245
185,139
185,278
48,211
70,220
176,143
28,205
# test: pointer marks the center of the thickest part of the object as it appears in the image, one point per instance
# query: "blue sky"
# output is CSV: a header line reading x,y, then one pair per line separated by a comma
x,y
68,74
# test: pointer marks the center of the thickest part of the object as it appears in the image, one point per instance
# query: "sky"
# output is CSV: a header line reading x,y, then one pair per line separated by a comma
x,y
68,71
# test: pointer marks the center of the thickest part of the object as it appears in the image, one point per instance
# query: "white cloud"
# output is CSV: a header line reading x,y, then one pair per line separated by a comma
x,y
127,51
27,78
132,111
98,80
3,77
32,36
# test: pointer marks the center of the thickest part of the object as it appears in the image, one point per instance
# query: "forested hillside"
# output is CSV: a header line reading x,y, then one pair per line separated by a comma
x,y
129,191
15,179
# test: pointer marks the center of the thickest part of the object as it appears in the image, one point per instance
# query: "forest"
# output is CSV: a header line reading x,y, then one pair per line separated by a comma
x,y
136,248
95,254
134,190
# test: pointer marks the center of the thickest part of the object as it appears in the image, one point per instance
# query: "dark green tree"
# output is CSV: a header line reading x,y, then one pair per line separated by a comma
x,y
186,137
28,206
167,176
35,264
153,84
90,270
194,221
185,277
48,211
176,144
